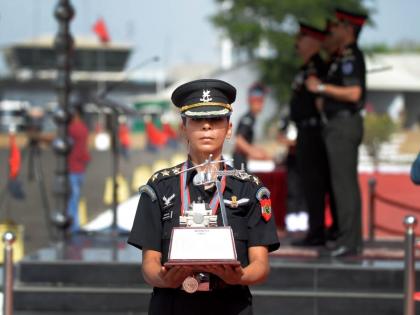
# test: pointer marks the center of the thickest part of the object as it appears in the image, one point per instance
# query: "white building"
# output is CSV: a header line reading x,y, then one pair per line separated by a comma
x,y
393,83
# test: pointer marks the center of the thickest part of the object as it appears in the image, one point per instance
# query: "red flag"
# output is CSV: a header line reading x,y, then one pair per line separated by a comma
x,y
169,131
14,158
100,29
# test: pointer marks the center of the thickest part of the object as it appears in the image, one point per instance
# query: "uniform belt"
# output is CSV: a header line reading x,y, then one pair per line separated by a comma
x,y
309,122
340,114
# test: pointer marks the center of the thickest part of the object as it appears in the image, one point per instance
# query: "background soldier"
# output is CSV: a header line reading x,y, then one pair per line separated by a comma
x,y
244,137
296,219
344,92
310,150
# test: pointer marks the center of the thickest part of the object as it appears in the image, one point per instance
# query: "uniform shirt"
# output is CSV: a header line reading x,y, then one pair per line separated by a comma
x,y
246,127
156,216
348,69
302,103
415,171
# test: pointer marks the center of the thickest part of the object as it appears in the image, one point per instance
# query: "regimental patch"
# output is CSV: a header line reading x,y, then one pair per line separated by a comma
x,y
347,67
266,209
263,196
149,191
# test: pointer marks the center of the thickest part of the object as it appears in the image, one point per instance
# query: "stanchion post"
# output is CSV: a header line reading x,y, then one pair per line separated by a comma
x,y
410,223
64,13
8,239
372,192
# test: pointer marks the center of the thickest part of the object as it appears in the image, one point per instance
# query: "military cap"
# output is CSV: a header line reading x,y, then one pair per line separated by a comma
x,y
257,89
205,98
309,30
350,17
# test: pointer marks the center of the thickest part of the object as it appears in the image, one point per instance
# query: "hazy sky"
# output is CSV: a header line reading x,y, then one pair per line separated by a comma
x,y
178,31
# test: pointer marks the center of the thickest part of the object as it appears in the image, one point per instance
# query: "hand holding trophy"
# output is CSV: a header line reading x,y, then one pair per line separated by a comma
x,y
199,241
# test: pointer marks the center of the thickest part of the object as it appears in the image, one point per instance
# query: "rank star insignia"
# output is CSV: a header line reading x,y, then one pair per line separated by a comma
x,y
155,176
176,170
246,176
256,180
165,173
206,96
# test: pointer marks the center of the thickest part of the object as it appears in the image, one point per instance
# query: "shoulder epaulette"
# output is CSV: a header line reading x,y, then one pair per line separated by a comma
x,y
165,173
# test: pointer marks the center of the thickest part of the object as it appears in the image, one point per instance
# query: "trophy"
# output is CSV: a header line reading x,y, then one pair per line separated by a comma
x,y
199,240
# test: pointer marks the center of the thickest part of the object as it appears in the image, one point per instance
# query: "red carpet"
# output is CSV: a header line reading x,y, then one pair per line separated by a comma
x,y
397,187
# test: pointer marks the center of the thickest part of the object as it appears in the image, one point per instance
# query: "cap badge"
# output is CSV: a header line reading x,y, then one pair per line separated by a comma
x,y
206,96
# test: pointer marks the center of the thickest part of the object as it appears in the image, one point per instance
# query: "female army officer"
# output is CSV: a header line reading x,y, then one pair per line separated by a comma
x,y
205,107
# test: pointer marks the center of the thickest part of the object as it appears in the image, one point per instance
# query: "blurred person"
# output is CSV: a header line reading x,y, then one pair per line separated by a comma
x,y
331,47
205,107
78,160
311,155
343,91
415,171
296,219
124,140
245,148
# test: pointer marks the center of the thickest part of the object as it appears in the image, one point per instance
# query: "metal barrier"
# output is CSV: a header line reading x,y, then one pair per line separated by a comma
x,y
410,223
8,239
374,197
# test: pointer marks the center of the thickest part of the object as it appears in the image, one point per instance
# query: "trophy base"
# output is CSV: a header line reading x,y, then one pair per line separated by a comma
x,y
173,263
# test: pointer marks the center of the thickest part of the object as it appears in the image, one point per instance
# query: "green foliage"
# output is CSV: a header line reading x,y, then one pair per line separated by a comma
x,y
400,47
378,129
376,48
249,22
